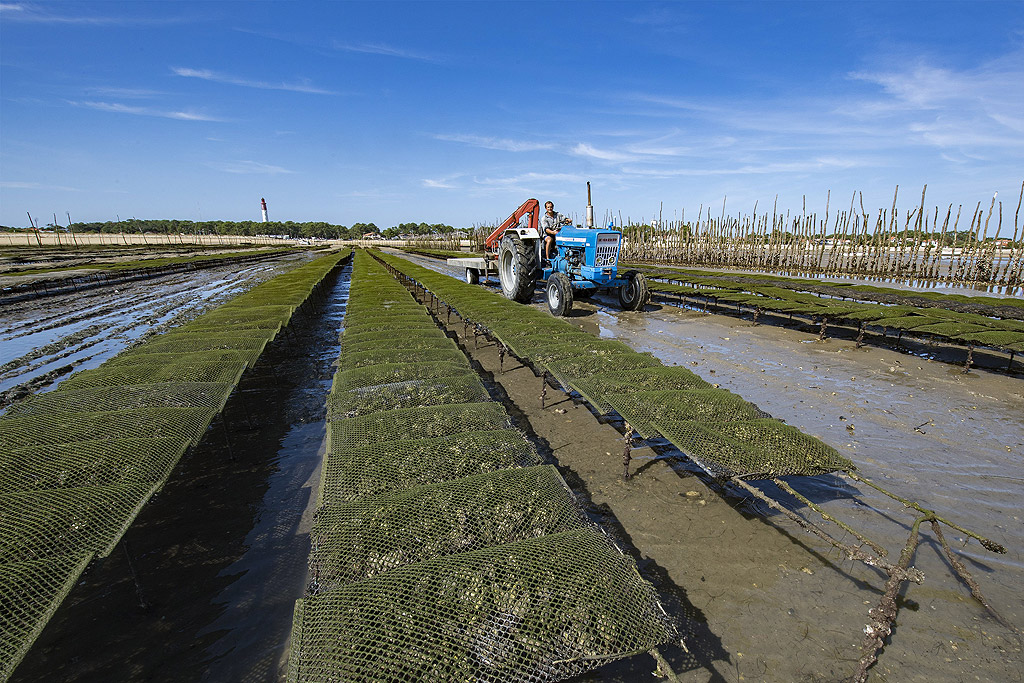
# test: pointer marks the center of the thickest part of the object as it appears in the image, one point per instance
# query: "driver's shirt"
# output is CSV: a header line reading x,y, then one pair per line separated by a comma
x,y
548,222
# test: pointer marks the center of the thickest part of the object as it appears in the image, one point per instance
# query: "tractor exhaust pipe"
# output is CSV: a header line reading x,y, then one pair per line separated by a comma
x,y
590,208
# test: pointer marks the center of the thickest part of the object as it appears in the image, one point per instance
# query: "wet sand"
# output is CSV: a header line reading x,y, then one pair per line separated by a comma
x,y
83,329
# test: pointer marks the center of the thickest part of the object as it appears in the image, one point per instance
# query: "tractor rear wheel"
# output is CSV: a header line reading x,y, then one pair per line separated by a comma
x,y
559,294
517,265
634,295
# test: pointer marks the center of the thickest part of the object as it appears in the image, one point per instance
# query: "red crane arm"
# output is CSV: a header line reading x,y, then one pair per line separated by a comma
x,y
530,206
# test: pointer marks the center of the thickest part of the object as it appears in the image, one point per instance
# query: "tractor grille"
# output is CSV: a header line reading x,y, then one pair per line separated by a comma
x,y
607,253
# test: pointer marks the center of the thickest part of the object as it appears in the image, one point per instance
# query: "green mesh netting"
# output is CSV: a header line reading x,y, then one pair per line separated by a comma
x,y
644,408
143,355
568,370
154,373
257,326
210,395
397,465
448,352
183,343
533,610
77,464
37,524
906,322
235,337
89,463
397,372
997,338
420,423
387,337
461,386
526,345
411,321
379,533
595,384
30,593
953,330
584,347
404,343
187,424
752,449
240,314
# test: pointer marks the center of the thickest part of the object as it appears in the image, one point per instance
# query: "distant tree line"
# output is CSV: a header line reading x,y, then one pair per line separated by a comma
x,y
307,230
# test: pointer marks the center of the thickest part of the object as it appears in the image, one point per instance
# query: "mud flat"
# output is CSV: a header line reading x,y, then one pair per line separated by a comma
x,y
82,329
769,601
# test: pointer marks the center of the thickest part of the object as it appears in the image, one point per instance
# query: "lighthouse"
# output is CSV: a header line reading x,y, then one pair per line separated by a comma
x,y
263,204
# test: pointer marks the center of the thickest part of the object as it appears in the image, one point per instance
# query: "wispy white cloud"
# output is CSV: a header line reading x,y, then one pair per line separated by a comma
x,y
503,144
31,13
441,183
945,107
127,93
118,108
386,50
550,184
799,166
248,167
16,185
207,75
582,149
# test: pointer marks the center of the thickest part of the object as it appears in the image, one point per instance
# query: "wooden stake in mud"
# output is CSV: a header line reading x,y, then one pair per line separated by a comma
x,y
501,358
962,572
884,614
824,326
860,336
627,453
543,388
970,359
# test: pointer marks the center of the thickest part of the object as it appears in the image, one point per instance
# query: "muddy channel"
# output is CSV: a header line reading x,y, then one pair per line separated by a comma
x,y
203,585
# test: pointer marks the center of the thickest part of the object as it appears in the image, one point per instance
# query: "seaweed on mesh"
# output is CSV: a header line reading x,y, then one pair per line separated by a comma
x,y
56,522
753,449
537,609
66,427
40,586
387,355
410,344
105,462
409,423
593,386
398,464
373,375
643,409
211,395
378,533
432,391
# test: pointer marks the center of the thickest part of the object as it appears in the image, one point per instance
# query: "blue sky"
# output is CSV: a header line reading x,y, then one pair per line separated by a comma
x,y
457,112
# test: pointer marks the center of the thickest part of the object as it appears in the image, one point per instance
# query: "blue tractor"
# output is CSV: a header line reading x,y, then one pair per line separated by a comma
x,y
586,262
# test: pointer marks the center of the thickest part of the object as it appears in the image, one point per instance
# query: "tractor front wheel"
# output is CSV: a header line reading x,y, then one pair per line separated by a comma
x,y
472,276
517,266
634,295
559,294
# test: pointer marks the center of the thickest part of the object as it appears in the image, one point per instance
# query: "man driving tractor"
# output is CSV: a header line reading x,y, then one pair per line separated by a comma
x,y
550,223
